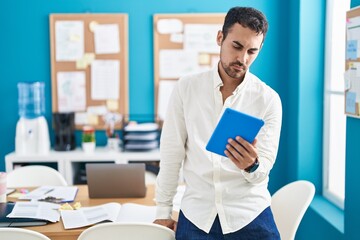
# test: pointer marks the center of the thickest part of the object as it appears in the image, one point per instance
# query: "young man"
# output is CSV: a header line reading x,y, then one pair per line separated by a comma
x,y
225,197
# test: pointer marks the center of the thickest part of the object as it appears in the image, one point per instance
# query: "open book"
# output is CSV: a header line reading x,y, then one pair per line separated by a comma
x,y
115,212
36,210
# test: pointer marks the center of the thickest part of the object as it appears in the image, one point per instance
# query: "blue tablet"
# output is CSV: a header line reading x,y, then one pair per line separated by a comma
x,y
233,123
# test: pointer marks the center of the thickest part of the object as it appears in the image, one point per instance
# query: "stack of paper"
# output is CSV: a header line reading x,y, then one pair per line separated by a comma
x,y
143,136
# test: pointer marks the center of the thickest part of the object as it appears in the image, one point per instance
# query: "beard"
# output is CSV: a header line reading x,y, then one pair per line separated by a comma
x,y
232,69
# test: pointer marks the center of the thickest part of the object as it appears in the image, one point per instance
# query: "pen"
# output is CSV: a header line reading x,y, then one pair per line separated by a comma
x,y
48,191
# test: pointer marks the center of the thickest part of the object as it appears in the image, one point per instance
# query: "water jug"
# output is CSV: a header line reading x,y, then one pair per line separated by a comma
x,y
31,99
32,133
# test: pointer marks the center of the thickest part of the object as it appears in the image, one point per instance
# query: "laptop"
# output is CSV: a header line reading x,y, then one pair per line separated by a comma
x,y
111,180
6,208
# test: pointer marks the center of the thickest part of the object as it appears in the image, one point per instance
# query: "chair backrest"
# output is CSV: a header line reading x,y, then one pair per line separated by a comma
x,y
150,177
289,205
34,176
127,231
21,234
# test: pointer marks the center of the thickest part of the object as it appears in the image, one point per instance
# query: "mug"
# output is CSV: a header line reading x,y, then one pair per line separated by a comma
x,y
2,187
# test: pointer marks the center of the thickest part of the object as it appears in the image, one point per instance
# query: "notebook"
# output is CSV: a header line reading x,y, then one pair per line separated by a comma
x,y
110,180
233,123
6,208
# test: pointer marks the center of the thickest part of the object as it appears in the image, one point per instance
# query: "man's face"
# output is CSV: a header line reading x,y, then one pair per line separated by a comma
x,y
238,50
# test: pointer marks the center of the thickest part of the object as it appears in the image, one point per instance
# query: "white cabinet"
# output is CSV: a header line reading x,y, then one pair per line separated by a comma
x,y
71,163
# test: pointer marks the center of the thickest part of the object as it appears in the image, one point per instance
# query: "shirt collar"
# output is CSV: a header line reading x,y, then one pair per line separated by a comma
x,y
218,82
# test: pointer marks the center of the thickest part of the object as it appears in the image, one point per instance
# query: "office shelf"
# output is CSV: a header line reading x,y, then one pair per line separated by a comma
x,y
71,164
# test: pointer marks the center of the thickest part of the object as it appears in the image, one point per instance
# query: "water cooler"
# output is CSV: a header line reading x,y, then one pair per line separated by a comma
x,y
32,132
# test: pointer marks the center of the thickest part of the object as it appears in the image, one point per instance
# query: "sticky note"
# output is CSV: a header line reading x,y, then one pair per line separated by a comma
x,y
350,102
112,105
93,119
351,50
81,64
347,79
74,38
89,57
92,25
168,26
204,59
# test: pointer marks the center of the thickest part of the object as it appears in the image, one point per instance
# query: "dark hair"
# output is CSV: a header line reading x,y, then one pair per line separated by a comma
x,y
246,17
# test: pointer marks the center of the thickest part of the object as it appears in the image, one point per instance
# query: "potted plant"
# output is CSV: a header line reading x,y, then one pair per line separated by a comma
x,y
88,139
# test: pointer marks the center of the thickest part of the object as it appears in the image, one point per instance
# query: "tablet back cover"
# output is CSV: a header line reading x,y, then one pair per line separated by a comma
x,y
233,123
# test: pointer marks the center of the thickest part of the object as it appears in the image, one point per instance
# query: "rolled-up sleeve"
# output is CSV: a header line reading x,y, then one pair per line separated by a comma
x,y
268,141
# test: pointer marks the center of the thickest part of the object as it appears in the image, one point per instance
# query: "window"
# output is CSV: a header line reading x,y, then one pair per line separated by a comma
x,y
334,117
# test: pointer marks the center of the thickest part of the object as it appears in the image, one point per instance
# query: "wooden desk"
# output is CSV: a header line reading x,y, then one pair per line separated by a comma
x,y
56,231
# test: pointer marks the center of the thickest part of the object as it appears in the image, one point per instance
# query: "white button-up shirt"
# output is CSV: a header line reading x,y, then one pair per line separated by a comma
x,y
214,185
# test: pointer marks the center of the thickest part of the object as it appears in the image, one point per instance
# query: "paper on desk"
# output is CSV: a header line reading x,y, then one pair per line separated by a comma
x,y
115,212
66,193
131,212
38,210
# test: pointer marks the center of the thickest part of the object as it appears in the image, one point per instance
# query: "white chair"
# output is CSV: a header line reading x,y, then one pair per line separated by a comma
x,y
127,231
21,234
289,205
34,176
150,177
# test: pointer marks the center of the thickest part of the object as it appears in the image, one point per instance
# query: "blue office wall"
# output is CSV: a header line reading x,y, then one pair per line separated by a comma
x,y
352,200
291,62
25,54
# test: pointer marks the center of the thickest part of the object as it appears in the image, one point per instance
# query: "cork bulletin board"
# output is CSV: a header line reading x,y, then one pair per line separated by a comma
x,y
352,64
183,44
89,67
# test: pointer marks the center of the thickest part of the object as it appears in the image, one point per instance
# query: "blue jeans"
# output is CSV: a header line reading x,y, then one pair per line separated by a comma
x,y
261,228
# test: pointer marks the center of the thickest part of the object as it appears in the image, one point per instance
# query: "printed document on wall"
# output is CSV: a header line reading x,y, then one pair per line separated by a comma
x,y
69,40
355,79
353,38
352,74
176,63
105,79
71,91
106,37
201,37
169,26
